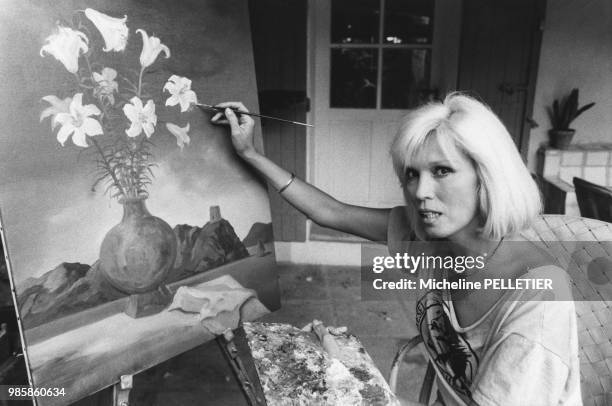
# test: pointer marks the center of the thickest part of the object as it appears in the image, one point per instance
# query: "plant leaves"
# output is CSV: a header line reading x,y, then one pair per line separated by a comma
x,y
584,108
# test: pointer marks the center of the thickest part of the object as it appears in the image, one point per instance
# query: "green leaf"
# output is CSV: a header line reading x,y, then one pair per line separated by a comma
x,y
551,115
565,111
572,104
583,109
557,117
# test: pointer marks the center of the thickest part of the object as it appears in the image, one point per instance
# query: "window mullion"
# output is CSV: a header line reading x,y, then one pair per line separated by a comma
x,y
380,56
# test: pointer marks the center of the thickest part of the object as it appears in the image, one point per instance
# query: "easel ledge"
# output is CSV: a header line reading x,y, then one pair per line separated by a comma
x,y
95,356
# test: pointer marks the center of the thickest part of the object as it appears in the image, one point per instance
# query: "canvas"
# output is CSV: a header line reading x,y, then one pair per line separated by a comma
x,y
99,131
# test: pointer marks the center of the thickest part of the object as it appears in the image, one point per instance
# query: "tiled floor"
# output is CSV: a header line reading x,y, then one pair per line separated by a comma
x,y
330,294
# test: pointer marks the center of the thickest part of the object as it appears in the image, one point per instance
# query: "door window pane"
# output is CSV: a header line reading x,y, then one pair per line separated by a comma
x,y
408,22
405,77
355,21
353,77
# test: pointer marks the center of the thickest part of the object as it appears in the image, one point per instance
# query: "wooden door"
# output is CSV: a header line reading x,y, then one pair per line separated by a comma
x,y
498,62
371,61
278,30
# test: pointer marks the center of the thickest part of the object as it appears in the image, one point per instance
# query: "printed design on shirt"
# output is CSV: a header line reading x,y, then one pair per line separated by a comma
x,y
454,357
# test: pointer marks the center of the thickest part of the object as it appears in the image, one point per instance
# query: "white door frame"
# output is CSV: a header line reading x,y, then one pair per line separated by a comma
x,y
324,150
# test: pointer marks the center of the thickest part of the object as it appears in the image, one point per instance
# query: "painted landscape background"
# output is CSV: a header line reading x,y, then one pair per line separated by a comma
x,y
73,287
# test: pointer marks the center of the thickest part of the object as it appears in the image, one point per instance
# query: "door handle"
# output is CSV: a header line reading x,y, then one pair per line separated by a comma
x,y
510,88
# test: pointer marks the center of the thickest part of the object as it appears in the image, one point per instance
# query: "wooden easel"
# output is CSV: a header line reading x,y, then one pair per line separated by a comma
x,y
234,347
121,390
238,355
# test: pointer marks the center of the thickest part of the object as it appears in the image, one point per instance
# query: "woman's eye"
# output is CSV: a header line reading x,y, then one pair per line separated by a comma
x,y
411,174
441,171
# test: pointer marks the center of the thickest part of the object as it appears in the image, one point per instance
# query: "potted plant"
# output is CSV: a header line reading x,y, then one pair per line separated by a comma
x,y
561,115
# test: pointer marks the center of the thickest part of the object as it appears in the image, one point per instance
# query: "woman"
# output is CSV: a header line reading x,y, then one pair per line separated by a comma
x,y
465,185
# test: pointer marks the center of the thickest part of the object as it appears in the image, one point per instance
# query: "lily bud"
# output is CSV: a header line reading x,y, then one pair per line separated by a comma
x,y
151,47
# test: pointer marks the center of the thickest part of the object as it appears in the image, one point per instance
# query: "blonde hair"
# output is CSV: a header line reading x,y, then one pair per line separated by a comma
x,y
509,199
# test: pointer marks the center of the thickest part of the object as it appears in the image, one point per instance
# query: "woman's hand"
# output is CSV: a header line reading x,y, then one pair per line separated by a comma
x,y
314,203
241,128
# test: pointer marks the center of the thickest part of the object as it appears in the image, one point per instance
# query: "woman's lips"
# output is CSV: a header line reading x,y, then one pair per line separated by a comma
x,y
429,216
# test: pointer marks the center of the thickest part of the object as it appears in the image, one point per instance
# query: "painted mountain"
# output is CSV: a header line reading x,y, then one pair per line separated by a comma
x,y
258,232
73,287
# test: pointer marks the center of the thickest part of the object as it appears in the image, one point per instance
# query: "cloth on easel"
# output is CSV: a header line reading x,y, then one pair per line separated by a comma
x,y
217,306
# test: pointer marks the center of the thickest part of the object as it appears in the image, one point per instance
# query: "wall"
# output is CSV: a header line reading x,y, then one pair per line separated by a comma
x,y
576,52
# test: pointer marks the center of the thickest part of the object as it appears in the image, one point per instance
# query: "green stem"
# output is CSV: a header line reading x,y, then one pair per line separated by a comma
x,y
140,81
108,168
89,68
135,185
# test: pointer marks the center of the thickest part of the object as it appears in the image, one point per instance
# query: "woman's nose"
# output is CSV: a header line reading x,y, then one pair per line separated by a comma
x,y
425,187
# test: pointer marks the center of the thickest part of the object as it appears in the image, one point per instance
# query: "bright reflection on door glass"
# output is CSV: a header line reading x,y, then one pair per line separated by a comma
x,y
353,77
408,22
358,41
355,21
405,77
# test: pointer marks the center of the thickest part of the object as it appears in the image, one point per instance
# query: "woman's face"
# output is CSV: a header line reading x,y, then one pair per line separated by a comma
x,y
442,184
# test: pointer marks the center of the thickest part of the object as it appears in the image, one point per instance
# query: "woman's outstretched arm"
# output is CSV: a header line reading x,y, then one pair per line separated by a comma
x,y
317,205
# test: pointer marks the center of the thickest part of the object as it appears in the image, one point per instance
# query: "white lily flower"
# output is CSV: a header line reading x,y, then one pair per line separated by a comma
x,y
181,93
78,122
141,118
106,84
151,47
180,133
66,46
57,106
113,30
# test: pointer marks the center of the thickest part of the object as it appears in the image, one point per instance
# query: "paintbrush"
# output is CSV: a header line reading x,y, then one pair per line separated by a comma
x,y
235,110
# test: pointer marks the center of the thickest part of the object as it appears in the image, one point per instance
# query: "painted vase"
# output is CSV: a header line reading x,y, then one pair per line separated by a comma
x,y
138,253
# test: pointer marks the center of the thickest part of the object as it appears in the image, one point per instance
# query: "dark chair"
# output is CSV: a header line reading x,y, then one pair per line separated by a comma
x,y
595,201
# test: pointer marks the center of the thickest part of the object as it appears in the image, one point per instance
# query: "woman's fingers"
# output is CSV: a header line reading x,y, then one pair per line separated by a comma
x,y
241,125
246,122
219,118
233,121
235,105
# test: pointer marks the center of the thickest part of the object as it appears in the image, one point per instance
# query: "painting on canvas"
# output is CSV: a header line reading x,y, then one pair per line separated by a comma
x,y
113,183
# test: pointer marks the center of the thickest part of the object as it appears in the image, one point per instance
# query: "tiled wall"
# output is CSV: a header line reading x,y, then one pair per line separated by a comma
x,y
590,162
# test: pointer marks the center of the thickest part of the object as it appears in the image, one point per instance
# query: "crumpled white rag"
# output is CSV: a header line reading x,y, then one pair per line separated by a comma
x,y
218,305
